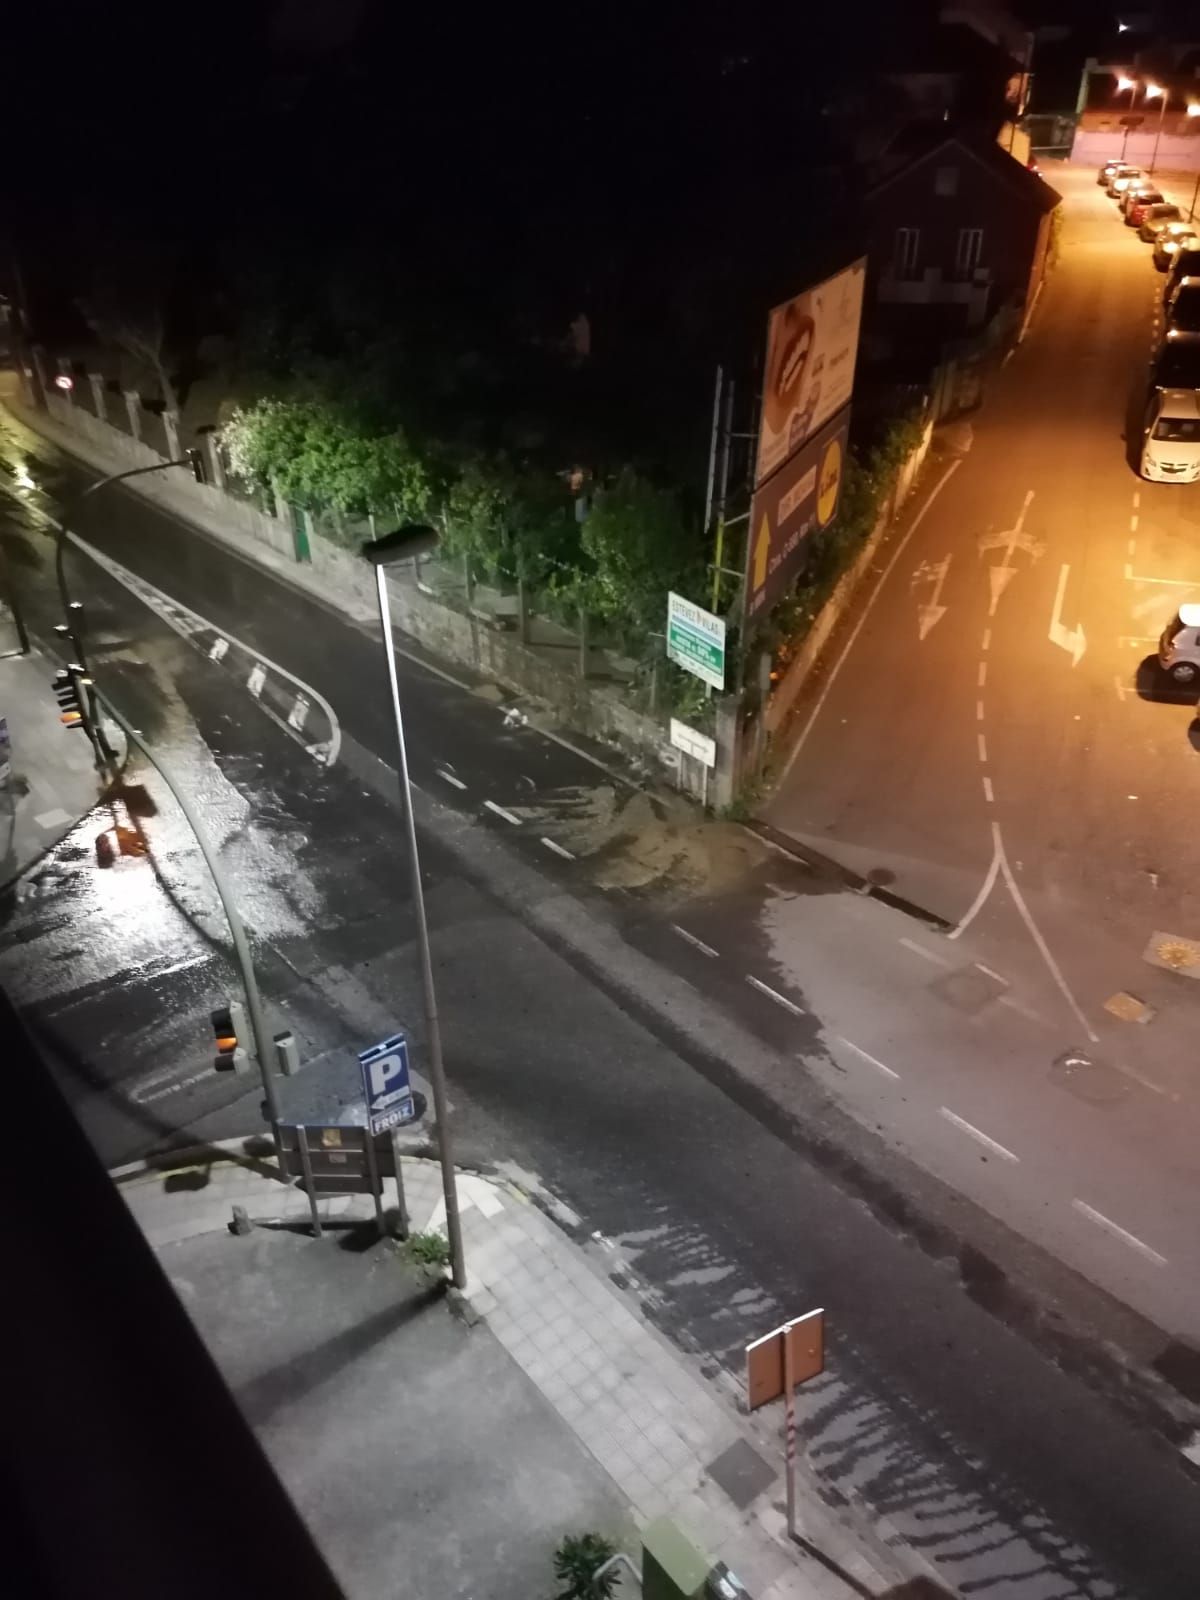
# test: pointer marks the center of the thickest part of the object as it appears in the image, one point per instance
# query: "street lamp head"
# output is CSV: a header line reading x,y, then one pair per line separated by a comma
x,y
1193,108
1153,90
414,539
1124,83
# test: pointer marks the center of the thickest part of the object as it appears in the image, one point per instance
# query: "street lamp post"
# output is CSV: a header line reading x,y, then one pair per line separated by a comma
x,y
1153,90
1123,84
404,545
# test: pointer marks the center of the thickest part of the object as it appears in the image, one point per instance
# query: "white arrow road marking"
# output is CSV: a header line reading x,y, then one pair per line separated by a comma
x,y
298,713
1069,639
1000,577
932,612
219,648
477,1192
258,676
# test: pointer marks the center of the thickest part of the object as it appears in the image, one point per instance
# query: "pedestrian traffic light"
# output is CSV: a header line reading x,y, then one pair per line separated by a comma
x,y
68,684
229,1029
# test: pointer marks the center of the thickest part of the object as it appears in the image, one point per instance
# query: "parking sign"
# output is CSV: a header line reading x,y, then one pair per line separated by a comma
x,y
386,1086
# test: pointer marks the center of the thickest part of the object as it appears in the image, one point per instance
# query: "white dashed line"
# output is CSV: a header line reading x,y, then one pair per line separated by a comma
x,y
299,713
986,642
1118,1232
1137,498
779,999
979,710
920,950
859,1051
1132,546
448,777
970,1129
1133,523
500,812
982,679
699,944
988,795
987,971
559,850
258,676
982,747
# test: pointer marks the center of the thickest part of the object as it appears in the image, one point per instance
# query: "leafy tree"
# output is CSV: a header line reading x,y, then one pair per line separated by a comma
x,y
639,546
576,1559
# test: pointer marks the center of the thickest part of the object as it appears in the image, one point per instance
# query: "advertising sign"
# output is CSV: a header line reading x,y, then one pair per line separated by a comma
x,y
696,640
801,497
812,346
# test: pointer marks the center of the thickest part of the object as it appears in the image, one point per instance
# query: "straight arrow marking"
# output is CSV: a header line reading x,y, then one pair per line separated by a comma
x,y
930,614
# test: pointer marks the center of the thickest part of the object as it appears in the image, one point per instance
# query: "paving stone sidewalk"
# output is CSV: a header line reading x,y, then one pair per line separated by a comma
x,y
671,1441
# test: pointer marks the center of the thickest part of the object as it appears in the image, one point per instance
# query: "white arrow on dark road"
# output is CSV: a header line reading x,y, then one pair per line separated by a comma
x,y
932,612
1000,577
477,1192
1069,639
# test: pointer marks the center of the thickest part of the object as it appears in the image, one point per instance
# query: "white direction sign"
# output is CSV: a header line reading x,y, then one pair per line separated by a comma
x,y
697,745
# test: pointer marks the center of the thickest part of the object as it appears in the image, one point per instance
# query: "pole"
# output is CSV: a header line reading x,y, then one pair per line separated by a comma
x,y
789,1401
722,493
1195,196
1158,135
306,1169
712,450
263,1042
437,1070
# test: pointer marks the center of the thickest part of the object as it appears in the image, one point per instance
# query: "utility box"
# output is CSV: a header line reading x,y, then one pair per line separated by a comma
x,y
672,1567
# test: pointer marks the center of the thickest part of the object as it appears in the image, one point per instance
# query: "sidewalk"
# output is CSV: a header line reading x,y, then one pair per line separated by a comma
x,y
53,781
632,1432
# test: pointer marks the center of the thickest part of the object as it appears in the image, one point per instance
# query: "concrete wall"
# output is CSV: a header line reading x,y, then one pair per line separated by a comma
x,y
1176,153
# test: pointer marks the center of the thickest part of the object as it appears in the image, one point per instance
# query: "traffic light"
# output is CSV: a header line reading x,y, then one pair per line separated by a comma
x,y
229,1029
195,460
68,684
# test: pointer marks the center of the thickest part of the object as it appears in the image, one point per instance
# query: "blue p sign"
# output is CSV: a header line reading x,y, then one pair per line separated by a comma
x,y
386,1087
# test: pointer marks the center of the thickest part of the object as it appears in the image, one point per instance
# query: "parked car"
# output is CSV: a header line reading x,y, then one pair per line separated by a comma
x,y
1179,646
1185,265
1139,194
1107,171
1177,363
1183,308
1154,218
1122,178
1174,237
1171,437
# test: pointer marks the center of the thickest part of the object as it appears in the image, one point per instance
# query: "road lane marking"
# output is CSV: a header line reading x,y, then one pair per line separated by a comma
x,y
1132,547
986,642
973,1132
1000,577
989,972
1137,497
982,678
448,777
258,676
987,789
298,713
920,950
979,710
859,1051
501,812
1171,583
1137,638
989,883
1035,934
779,999
559,850
1133,523
982,747
218,650
866,612
1118,1232
1069,639
699,944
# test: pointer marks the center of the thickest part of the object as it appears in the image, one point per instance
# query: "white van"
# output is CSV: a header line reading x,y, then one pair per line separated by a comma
x,y
1171,437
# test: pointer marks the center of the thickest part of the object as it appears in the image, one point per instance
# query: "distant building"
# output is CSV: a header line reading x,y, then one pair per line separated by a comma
x,y
957,232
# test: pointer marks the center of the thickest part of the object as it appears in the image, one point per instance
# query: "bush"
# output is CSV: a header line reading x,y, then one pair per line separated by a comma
x,y
576,1559
428,1249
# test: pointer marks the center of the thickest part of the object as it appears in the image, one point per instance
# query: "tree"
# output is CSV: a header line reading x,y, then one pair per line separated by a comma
x,y
126,306
638,545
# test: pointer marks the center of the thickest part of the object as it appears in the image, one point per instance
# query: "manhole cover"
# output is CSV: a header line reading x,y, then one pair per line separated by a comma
x,y
1128,1007
968,988
1174,953
1092,1081
742,1473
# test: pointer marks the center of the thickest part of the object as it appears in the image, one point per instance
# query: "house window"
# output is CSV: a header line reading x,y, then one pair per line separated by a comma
x,y
968,251
908,247
945,181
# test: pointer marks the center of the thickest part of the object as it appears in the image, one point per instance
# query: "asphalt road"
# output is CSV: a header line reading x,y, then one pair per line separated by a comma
x,y
588,1043
994,745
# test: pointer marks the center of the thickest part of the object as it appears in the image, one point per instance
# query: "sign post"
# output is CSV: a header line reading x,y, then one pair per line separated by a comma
x,y
696,640
388,1093
775,1364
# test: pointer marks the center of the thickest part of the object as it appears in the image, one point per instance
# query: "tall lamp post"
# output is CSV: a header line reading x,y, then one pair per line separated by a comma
x,y
1153,91
405,545
1123,84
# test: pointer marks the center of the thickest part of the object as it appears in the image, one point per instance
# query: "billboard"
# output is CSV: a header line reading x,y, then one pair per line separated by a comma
x,y
812,345
801,497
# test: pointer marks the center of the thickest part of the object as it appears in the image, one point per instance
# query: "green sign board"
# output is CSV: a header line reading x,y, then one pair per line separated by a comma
x,y
696,640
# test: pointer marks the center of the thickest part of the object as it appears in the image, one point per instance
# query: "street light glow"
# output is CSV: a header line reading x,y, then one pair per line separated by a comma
x,y
1193,108
1153,90
64,382
1124,83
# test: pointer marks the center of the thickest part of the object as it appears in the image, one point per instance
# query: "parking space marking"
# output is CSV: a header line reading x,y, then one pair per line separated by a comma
x,y
501,812
559,850
771,994
698,944
448,777
920,950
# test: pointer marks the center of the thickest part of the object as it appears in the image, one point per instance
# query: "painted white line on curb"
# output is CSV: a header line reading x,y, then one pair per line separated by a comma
x,y
859,1051
1118,1232
218,649
258,676
771,994
989,882
866,612
973,1132
920,950
705,949
500,812
559,850
448,777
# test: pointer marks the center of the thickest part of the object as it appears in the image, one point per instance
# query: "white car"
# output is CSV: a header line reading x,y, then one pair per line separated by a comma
x,y
1171,438
1122,178
1179,646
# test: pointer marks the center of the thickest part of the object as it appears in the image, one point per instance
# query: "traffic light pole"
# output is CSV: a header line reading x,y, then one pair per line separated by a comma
x,y
263,1043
